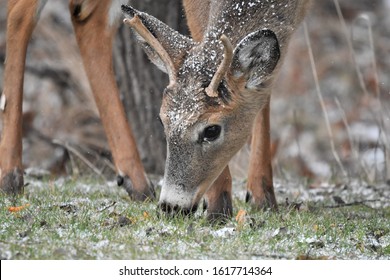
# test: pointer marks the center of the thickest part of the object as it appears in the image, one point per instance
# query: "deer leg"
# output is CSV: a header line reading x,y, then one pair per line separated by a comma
x,y
95,30
21,20
260,184
219,197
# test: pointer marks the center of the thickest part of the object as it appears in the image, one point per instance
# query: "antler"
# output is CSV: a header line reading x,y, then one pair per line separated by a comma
x,y
141,29
211,90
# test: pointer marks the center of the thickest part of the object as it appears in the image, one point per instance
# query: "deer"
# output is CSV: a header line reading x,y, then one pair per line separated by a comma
x,y
218,96
220,83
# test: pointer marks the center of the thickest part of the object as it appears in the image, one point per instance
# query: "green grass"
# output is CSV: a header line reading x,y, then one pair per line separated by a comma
x,y
84,219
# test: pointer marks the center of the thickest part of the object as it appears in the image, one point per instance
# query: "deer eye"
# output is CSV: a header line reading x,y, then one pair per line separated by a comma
x,y
211,133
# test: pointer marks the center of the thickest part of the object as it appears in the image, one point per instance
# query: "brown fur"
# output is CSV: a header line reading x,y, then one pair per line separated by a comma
x,y
94,36
196,10
219,197
260,180
198,168
20,24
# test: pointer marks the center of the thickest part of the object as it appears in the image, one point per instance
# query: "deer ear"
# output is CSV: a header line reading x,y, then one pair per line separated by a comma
x,y
255,58
175,44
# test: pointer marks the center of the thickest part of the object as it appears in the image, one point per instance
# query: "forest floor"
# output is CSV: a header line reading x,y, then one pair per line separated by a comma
x,y
88,219
328,209
352,122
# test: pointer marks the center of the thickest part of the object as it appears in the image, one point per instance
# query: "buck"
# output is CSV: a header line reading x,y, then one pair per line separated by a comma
x,y
220,81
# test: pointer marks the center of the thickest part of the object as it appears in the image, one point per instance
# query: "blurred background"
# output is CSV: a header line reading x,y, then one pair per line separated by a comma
x,y
336,129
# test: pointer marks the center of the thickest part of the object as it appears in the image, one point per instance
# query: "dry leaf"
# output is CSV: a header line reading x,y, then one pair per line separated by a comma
x,y
146,215
14,209
241,218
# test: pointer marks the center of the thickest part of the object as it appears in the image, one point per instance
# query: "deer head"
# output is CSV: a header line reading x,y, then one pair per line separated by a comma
x,y
216,88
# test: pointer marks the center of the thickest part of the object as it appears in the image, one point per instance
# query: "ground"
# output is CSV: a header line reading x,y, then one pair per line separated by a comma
x,y
328,209
78,218
352,66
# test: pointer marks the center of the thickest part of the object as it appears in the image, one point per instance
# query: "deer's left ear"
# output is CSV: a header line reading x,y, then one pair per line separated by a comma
x,y
256,57
172,42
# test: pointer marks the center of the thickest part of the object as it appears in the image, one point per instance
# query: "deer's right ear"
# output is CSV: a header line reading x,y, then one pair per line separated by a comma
x,y
175,45
255,58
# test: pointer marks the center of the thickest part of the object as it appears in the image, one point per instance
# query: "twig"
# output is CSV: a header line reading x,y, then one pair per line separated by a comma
x,y
93,152
373,57
80,156
377,89
352,204
355,151
377,92
108,206
109,164
350,46
319,94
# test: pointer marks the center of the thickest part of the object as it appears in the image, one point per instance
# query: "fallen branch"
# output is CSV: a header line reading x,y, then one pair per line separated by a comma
x,y
352,204
108,206
80,156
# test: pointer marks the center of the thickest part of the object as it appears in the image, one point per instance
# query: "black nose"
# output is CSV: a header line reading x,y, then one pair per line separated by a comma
x,y
176,210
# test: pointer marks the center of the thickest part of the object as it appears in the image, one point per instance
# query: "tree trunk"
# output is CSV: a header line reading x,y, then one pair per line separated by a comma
x,y
141,84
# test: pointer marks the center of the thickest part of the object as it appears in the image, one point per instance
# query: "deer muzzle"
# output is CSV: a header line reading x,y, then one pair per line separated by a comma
x,y
177,199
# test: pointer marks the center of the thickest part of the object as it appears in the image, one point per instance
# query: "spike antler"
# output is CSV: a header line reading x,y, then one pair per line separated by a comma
x,y
141,29
211,90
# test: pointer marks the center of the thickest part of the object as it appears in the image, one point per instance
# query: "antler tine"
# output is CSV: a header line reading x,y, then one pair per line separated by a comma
x,y
211,90
141,29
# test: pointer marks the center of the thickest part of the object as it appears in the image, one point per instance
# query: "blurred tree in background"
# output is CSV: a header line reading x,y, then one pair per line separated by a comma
x,y
141,83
